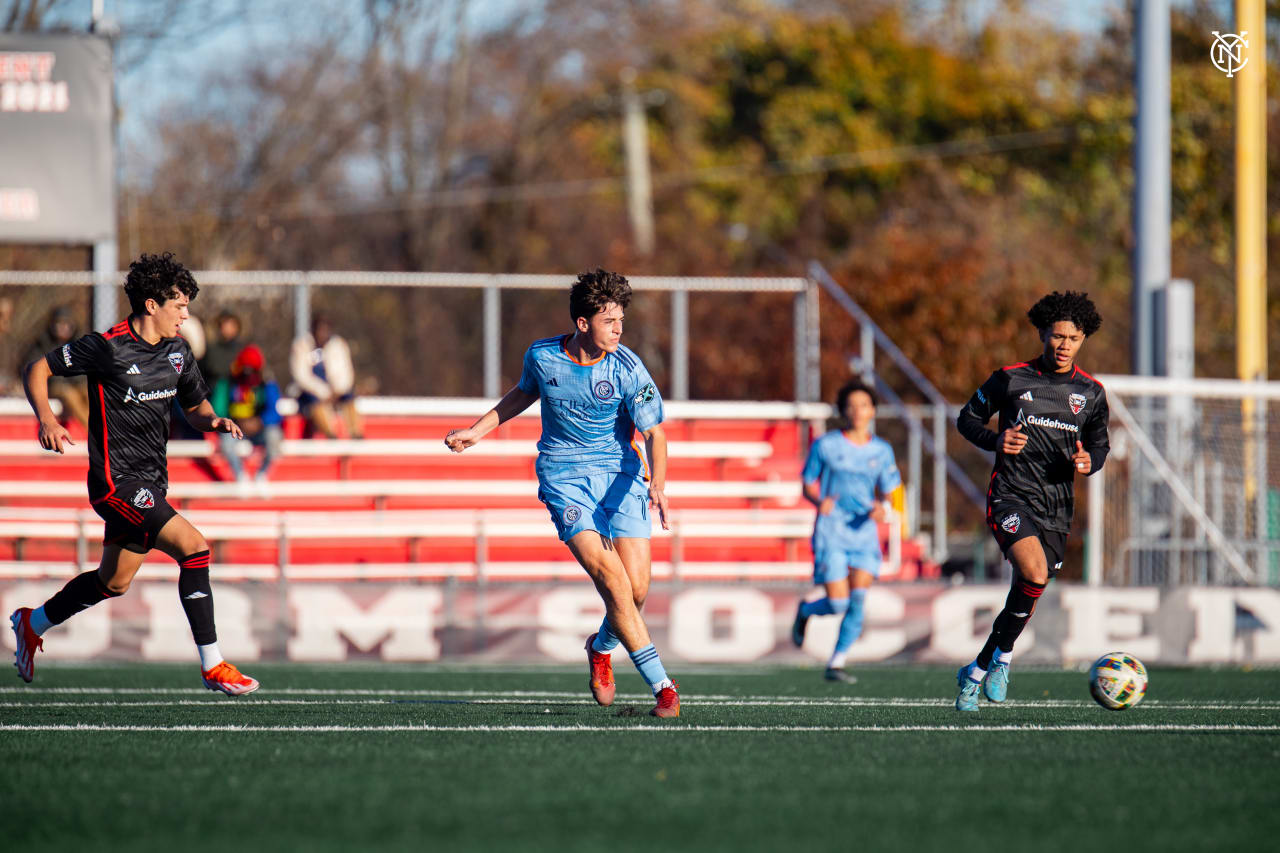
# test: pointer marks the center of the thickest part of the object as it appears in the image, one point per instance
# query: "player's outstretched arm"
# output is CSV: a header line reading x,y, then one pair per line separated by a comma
x,y
655,444
35,380
513,403
205,419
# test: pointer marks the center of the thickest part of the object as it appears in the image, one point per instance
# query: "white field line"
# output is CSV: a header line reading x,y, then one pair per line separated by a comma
x,y
728,702
321,697
675,728
535,697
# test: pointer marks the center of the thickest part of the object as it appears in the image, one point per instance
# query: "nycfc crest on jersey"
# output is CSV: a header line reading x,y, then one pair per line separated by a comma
x,y
1010,523
590,411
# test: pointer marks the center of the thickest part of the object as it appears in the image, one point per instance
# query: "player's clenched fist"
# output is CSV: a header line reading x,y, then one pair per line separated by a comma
x,y
1012,440
1081,459
459,440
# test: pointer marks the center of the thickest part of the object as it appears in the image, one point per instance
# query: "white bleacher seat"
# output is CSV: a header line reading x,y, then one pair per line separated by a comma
x,y
782,490
752,451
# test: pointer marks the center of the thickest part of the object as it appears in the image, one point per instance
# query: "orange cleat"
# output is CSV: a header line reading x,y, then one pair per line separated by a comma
x,y
26,643
602,685
668,703
228,679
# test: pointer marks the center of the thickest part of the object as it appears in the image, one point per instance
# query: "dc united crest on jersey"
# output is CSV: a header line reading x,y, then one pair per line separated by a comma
x,y
1010,523
144,499
1076,402
175,359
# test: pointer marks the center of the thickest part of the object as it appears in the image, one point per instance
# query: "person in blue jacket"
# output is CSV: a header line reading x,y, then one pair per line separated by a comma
x,y
252,395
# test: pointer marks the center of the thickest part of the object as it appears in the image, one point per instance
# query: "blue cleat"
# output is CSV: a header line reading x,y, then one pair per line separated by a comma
x,y
798,626
968,698
996,685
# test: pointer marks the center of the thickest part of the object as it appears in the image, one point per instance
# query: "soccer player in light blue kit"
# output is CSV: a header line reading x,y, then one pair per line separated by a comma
x,y
594,480
847,476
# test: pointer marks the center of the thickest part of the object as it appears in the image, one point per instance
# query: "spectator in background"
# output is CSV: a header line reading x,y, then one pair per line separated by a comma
x,y
219,353
71,391
251,394
321,367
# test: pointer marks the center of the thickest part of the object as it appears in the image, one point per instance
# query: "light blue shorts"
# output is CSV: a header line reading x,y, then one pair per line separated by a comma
x,y
837,550
614,505
833,564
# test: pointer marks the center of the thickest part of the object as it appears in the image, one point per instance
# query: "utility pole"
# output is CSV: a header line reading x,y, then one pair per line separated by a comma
x,y
1152,196
1251,252
1251,195
635,138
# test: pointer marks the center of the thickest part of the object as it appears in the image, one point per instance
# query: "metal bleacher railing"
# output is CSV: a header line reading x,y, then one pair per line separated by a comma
x,y
927,423
483,527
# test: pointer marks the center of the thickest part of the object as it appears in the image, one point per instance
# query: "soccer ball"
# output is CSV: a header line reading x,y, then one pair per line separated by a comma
x,y
1117,681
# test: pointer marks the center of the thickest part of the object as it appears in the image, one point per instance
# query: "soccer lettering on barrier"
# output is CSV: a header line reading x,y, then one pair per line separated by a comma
x,y
713,623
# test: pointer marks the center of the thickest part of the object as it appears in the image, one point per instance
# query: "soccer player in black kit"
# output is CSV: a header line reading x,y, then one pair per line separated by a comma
x,y
1052,426
135,370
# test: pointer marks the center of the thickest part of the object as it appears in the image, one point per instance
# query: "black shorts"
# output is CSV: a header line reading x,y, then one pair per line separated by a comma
x,y
134,513
1014,523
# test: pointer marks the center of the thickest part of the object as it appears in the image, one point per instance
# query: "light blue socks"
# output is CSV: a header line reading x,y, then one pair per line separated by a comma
x,y
824,607
851,624
650,666
606,640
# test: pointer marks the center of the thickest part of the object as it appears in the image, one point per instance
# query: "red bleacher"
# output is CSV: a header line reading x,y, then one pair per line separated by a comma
x,y
712,482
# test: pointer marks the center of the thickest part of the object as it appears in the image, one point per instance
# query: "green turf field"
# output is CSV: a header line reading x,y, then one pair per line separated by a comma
x,y
379,757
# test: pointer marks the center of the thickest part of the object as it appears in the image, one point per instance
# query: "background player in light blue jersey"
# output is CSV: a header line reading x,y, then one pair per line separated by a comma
x,y
594,480
848,475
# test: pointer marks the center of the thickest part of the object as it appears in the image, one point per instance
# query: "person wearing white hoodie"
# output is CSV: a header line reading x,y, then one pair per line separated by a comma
x,y
321,366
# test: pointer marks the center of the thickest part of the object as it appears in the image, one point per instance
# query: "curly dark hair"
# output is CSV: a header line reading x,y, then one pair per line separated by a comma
x,y
1072,305
849,388
156,277
596,289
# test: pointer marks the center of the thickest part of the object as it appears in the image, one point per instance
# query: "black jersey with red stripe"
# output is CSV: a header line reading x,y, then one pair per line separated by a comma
x,y
1056,410
132,385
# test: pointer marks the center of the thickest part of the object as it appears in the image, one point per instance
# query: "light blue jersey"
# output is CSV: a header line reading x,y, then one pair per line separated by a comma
x,y
853,474
590,412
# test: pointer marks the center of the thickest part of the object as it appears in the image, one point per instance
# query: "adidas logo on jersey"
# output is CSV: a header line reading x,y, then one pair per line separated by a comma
x,y
133,370
1026,395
